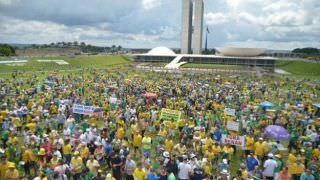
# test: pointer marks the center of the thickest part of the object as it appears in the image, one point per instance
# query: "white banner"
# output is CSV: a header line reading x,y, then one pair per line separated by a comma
x,y
233,140
230,112
233,125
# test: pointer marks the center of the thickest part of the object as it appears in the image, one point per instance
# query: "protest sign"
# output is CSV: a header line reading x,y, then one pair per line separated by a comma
x,y
230,112
233,125
87,110
168,114
233,140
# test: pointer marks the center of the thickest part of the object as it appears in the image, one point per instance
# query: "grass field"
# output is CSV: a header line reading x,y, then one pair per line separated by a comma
x,y
300,67
213,66
74,63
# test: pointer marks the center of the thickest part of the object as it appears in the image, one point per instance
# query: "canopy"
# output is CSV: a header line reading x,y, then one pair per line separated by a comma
x,y
266,104
277,132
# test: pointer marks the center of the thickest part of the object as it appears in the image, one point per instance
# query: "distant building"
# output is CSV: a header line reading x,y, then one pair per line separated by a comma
x,y
186,28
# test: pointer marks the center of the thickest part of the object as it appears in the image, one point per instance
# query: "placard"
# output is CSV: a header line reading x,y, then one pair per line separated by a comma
x,y
230,112
233,140
233,125
87,110
168,114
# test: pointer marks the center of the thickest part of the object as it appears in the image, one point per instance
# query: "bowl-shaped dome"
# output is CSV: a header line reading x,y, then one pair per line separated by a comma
x,y
244,52
161,51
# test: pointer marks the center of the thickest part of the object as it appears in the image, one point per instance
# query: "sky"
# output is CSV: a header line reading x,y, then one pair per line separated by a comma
x,y
271,24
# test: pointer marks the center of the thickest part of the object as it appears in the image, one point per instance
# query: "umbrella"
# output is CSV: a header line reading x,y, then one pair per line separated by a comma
x,y
266,104
317,105
277,132
149,95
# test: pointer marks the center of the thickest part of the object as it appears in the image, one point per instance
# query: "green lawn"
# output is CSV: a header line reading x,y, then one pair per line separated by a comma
x,y
212,66
300,68
97,61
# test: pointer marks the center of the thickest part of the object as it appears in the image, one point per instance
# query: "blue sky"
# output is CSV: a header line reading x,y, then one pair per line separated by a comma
x,y
272,24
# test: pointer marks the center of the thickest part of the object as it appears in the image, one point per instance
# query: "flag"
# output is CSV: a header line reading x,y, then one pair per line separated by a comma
x,y
208,30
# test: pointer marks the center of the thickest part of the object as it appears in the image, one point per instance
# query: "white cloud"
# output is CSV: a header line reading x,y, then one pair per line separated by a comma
x,y
215,18
150,4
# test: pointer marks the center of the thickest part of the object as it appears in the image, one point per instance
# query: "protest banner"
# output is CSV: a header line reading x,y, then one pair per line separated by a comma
x,y
230,112
233,140
168,114
87,110
233,125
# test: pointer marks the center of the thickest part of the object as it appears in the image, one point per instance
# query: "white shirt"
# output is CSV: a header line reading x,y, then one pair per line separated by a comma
x,y
269,167
184,170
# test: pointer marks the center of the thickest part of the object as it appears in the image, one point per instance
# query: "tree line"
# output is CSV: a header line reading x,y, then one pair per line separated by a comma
x,y
7,50
86,48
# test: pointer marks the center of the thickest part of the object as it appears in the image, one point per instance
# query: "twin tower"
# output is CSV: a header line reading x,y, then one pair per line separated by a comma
x,y
188,27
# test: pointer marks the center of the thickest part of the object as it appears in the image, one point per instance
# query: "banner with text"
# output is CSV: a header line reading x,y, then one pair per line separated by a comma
x,y
233,140
168,114
233,125
87,110
230,112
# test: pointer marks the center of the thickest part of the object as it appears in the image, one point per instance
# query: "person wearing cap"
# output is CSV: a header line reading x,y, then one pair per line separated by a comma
x,y
12,173
279,167
269,167
244,171
76,165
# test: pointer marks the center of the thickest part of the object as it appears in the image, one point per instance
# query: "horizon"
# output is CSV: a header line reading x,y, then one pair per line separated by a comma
x,y
272,25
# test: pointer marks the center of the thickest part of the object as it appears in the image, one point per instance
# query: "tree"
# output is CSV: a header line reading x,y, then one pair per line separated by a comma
x,y
82,44
119,48
75,43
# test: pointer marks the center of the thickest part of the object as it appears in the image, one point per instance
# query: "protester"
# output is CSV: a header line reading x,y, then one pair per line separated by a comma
x,y
112,124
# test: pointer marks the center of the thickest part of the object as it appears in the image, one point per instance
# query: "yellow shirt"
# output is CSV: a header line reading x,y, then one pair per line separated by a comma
x,y
216,149
259,149
11,174
250,143
316,152
77,164
292,159
3,169
32,126
137,139
28,156
67,149
140,174
120,133
84,152
168,144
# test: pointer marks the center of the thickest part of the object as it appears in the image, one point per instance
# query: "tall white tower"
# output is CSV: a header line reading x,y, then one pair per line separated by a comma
x,y
186,29
198,26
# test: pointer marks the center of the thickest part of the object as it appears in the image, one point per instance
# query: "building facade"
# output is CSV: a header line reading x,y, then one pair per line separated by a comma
x,y
186,28
198,26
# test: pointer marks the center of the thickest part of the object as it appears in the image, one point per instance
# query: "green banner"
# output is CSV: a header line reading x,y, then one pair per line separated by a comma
x,y
168,114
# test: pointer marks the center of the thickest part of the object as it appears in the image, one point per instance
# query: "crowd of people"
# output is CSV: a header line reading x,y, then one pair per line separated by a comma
x,y
127,136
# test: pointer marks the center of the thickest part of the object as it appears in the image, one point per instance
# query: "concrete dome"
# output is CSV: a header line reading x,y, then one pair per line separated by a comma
x,y
241,52
161,51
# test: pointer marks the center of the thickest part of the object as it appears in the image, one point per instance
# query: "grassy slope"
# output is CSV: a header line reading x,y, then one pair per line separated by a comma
x,y
300,67
74,63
